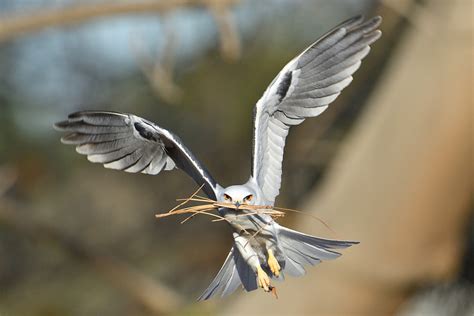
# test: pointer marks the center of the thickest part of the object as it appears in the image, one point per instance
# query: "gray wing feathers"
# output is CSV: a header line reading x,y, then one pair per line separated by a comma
x,y
222,279
322,242
292,267
304,88
246,274
329,39
112,139
132,144
301,249
234,272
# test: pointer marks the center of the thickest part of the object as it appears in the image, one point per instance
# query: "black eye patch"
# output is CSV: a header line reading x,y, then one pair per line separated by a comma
x,y
248,197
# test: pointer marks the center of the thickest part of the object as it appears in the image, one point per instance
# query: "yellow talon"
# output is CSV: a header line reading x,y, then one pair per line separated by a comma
x,y
273,263
263,280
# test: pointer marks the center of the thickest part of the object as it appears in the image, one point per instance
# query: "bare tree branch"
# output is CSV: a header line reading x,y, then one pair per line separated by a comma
x,y
16,25
159,70
230,46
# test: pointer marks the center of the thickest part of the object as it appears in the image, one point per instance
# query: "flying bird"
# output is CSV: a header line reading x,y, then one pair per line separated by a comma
x,y
262,249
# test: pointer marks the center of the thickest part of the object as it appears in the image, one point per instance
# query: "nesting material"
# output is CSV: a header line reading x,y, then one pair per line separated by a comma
x,y
205,206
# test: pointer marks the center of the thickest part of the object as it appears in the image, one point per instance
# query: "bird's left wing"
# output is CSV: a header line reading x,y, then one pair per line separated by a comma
x,y
130,143
304,88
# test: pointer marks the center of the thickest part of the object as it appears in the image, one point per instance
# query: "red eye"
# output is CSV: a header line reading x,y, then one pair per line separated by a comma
x,y
248,198
227,198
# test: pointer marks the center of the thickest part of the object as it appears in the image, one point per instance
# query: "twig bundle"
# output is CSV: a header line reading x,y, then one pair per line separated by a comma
x,y
206,206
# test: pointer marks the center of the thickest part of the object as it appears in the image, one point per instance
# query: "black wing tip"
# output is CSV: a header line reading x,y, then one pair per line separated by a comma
x,y
359,21
77,114
348,243
208,293
202,298
61,126
355,19
375,21
350,23
341,244
361,18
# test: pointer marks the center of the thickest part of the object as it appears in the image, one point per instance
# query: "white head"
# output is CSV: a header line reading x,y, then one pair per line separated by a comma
x,y
239,195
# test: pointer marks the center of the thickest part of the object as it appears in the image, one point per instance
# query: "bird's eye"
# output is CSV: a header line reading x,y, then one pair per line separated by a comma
x,y
248,198
227,197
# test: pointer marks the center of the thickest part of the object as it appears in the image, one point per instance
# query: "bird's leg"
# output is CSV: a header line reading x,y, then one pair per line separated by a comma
x,y
250,256
263,280
273,263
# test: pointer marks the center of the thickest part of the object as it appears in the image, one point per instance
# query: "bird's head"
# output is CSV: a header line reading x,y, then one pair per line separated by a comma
x,y
239,195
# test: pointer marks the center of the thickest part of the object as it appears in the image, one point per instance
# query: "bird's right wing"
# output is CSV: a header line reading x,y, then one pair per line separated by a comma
x,y
130,143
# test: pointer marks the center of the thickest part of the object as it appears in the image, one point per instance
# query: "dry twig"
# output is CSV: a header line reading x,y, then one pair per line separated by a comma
x,y
210,205
206,205
159,70
16,25
230,46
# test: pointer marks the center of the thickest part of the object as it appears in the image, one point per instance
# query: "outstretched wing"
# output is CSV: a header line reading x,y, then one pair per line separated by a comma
x,y
304,88
130,143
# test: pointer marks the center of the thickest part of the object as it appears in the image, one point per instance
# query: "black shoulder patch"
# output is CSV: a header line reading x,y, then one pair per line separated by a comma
x,y
284,85
144,132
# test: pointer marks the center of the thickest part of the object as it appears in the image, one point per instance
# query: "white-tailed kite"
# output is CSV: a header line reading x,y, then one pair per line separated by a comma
x,y
262,249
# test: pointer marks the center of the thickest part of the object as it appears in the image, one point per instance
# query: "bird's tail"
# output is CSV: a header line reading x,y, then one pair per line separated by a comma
x,y
301,249
298,250
234,272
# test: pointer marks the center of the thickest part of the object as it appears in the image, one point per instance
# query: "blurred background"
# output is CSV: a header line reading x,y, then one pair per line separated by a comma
x,y
389,163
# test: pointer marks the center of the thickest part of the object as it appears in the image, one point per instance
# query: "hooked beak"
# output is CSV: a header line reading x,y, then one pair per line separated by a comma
x,y
237,204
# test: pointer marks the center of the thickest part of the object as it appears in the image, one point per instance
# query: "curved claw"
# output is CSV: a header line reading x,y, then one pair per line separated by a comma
x,y
273,290
263,280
